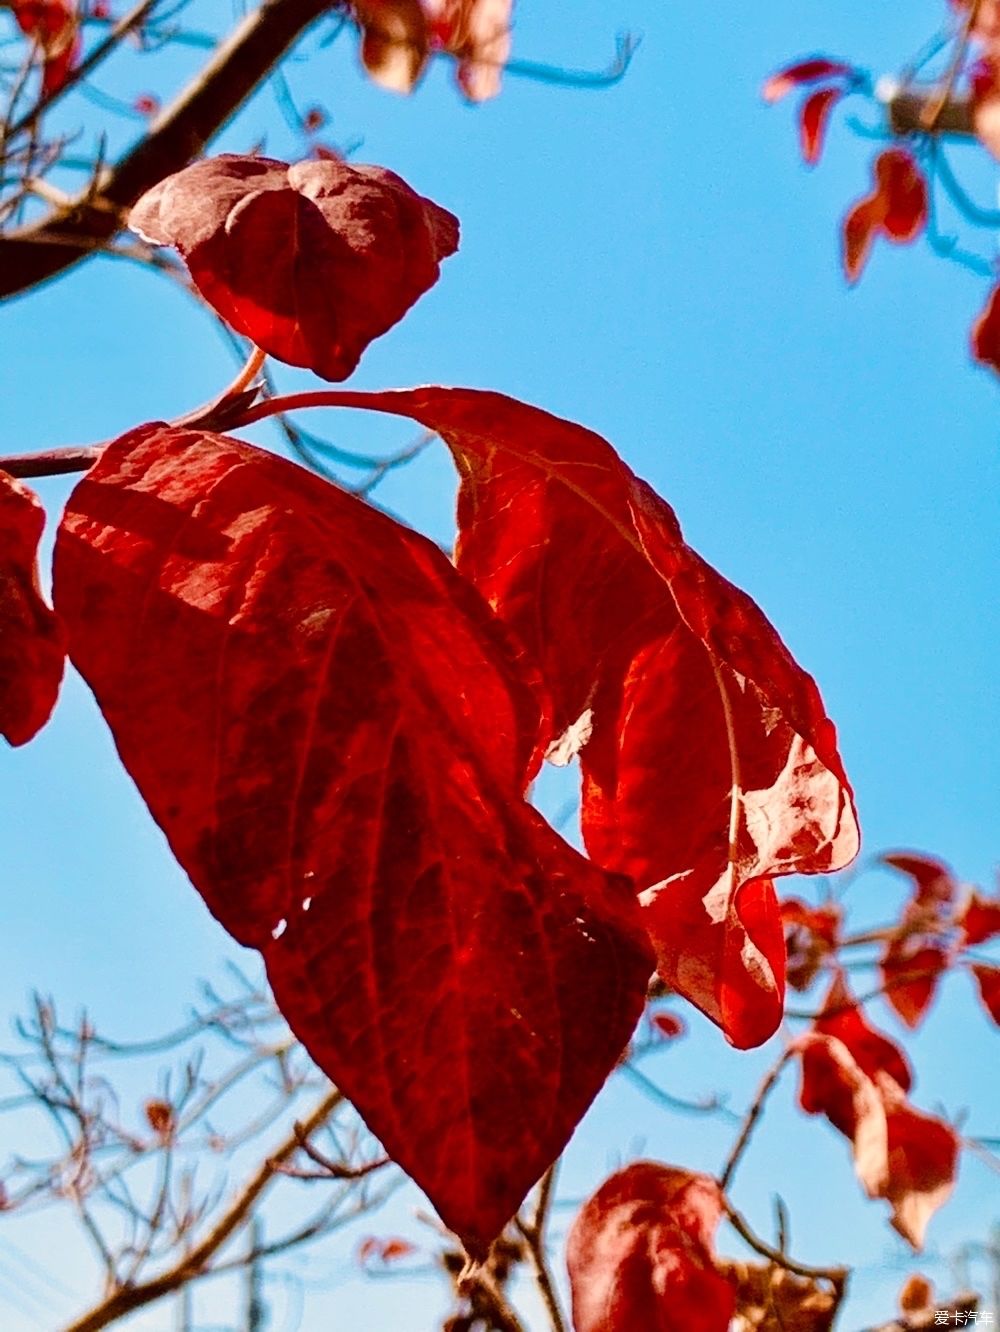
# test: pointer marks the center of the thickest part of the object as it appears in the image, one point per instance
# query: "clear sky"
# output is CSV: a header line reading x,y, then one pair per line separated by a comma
x,y
653,261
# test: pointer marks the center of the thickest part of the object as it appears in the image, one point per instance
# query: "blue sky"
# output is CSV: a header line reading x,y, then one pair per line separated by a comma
x,y
653,261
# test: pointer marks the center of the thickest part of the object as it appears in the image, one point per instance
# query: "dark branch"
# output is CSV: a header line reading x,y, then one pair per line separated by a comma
x,y
41,250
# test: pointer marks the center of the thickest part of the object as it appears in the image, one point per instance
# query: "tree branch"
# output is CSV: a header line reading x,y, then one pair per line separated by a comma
x,y
44,249
908,112
197,1261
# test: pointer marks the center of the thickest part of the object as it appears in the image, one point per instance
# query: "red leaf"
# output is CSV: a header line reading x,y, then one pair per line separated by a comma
x,y
896,209
980,919
310,261
802,72
822,921
923,1162
874,1053
698,716
933,882
834,1085
858,1079
668,1026
395,41
988,980
31,642
53,24
814,116
334,733
477,34
146,104
384,1250
910,970
640,1254
986,332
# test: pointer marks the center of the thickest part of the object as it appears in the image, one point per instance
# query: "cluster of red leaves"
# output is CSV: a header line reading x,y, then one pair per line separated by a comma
x,y
54,26
400,36
897,207
837,80
335,726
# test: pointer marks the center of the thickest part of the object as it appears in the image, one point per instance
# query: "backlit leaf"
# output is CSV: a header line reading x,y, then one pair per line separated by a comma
x,y
31,643
311,261
334,732
910,972
814,117
897,208
709,764
394,42
802,72
640,1254
980,919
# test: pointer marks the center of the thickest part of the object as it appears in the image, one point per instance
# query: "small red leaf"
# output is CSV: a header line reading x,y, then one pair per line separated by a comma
x,y
814,117
709,765
897,209
794,76
160,1117
986,332
910,972
54,25
933,882
334,732
980,919
146,104
822,921
384,1250
311,261
394,41
988,980
477,34
640,1254
31,642
668,1026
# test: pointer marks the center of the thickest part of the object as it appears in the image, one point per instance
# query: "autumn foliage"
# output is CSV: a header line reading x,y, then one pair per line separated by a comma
x,y
907,174
337,728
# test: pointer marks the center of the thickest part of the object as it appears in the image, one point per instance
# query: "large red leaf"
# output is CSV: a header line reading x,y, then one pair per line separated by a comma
x,y
640,1254
310,261
31,644
334,733
709,764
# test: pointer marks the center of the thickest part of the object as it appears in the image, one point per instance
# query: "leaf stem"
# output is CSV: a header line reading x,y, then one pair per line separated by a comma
x,y
753,1115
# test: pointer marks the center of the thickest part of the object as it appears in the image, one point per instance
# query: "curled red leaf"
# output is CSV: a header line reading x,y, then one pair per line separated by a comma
x,y
709,764
395,41
640,1254
843,1018
31,642
815,70
335,733
897,209
814,117
923,1163
311,261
